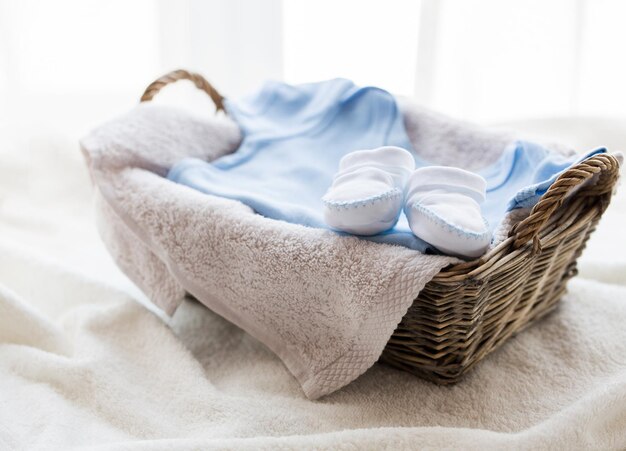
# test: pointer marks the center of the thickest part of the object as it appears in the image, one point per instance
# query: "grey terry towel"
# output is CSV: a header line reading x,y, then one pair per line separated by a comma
x,y
326,304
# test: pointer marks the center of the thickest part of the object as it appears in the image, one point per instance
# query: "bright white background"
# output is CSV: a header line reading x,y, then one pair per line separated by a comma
x,y
67,65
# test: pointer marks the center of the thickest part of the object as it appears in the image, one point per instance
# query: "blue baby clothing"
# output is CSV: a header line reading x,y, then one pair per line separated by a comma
x,y
521,176
294,137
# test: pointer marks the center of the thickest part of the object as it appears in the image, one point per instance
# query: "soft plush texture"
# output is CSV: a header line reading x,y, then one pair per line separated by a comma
x,y
326,304
85,363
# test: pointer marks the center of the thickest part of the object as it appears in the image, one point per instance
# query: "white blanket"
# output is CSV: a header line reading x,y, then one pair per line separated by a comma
x,y
84,362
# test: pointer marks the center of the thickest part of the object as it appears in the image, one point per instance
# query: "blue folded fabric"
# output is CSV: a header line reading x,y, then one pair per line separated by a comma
x,y
294,137
521,176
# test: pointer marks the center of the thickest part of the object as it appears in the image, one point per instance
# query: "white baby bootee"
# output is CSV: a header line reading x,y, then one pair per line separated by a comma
x,y
367,194
443,209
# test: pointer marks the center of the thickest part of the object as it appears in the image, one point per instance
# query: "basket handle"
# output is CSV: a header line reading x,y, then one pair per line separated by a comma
x,y
181,74
605,164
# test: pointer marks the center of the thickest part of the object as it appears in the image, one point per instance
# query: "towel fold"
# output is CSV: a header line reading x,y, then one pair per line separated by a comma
x,y
326,304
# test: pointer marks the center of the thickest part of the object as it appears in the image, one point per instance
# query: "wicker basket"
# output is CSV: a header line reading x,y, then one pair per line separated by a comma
x,y
469,309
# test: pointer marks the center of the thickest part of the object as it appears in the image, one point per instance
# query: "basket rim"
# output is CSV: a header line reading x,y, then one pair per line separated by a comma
x,y
571,184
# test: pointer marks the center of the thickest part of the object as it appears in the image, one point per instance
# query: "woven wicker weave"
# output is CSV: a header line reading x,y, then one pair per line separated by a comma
x,y
469,309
